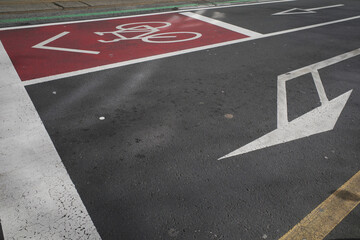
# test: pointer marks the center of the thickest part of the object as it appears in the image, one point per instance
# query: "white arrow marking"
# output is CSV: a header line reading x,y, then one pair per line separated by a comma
x,y
318,120
302,11
42,45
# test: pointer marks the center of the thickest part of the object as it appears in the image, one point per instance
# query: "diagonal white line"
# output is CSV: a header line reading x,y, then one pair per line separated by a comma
x,y
325,7
225,25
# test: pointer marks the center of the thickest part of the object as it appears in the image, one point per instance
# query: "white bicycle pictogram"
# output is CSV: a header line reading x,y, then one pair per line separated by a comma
x,y
148,33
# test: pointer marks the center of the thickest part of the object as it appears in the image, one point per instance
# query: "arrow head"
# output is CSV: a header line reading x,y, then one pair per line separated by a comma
x,y
318,120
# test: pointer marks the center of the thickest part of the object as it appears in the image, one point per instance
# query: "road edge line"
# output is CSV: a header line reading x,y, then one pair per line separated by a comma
x,y
38,198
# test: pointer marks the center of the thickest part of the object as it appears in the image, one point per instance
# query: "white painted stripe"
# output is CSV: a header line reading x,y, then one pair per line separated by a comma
x,y
37,198
319,87
317,66
228,26
142,15
154,57
325,7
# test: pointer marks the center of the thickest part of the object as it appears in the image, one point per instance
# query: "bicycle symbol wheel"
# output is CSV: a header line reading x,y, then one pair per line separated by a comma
x,y
171,37
145,26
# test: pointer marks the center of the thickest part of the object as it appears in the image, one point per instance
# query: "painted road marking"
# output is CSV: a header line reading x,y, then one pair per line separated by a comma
x,y
148,32
42,45
318,120
37,198
223,24
319,223
160,56
302,10
183,9
101,39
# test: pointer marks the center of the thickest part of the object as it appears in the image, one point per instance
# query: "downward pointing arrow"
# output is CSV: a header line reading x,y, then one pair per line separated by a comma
x,y
318,120
302,11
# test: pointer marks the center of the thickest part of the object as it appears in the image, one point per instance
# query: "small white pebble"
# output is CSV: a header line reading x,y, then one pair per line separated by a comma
x,y
229,116
264,236
102,118
54,92
326,157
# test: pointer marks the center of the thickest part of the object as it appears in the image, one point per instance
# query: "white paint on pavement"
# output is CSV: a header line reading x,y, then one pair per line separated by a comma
x,y
318,120
225,25
326,7
37,198
293,11
42,45
176,53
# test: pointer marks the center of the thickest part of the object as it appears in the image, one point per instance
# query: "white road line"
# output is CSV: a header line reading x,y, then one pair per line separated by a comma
x,y
148,14
225,25
319,87
325,7
42,45
145,59
37,198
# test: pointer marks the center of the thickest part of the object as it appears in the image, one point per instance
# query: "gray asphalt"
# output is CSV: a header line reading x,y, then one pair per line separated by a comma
x,y
150,169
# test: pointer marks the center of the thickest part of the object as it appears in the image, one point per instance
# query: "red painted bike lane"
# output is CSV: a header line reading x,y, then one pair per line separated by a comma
x,y
44,51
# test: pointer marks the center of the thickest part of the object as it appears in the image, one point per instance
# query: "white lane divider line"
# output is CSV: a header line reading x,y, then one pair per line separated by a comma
x,y
225,25
37,197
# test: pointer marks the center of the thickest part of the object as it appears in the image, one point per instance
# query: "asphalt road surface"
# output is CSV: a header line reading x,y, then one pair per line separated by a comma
x,y
140,123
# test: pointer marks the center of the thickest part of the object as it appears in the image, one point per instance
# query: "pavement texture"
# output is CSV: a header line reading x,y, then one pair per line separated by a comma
x,y
141,142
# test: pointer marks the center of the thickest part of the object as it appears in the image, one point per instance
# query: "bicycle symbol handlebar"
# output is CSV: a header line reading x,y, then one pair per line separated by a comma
x,y
148,33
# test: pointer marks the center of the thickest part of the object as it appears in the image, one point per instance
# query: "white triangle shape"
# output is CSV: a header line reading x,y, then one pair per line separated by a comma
x,y
318,120
294,11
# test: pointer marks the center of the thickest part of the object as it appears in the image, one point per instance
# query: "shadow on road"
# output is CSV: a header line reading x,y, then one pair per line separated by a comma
x,y
1,232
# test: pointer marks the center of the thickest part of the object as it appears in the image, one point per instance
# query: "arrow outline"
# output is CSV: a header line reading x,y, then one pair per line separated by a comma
x,y
284,126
